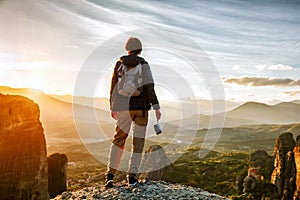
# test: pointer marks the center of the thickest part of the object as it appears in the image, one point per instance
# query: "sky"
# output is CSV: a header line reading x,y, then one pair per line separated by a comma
x,y
252,47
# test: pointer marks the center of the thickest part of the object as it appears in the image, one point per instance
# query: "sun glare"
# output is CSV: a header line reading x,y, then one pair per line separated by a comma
x,y
37,79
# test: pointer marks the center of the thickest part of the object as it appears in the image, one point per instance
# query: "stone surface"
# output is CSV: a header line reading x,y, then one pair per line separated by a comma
x,y
149,190
57,169
155,163
23,160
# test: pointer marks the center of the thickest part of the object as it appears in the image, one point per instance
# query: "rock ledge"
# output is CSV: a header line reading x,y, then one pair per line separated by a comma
x,y
149,190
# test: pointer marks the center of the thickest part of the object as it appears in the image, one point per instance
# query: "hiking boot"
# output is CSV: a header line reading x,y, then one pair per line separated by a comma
x,y
109,183
132,180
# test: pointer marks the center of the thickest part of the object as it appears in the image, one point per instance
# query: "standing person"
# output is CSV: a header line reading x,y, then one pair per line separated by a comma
x,y
130,110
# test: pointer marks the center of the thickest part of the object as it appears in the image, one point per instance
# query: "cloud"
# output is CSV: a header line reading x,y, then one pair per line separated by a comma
x,y
293,93
235,67
278,67
261,81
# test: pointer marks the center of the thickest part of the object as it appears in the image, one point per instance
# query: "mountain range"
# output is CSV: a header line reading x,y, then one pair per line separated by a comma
x,y
250,113
62,119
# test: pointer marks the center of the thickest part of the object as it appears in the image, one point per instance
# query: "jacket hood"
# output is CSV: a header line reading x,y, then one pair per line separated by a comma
x,y
131,60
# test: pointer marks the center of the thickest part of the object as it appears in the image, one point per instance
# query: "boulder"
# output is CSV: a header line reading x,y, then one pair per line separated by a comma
x,y
23,158
57,168
155,163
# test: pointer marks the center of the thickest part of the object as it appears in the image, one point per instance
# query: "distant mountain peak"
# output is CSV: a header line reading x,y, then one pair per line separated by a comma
x,y
251,105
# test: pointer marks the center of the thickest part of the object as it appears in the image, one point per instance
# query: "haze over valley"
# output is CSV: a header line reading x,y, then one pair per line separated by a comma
x,y
93,121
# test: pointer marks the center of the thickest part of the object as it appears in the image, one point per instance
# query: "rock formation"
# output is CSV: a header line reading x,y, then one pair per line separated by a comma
x,y
297,163
284,174
260,160
155,163
57,168
285,177
23,160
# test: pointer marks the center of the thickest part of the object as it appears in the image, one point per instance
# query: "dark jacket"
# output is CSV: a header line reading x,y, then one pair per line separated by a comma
x,y
145,100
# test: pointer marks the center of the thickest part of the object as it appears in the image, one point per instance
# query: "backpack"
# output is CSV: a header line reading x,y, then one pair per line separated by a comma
x,y
129,80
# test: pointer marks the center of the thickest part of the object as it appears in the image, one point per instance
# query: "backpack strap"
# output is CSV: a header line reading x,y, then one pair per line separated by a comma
x,y
139,69
139,73
120,70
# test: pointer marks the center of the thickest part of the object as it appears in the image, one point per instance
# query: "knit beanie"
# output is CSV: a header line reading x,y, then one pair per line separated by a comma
x,y
132,44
